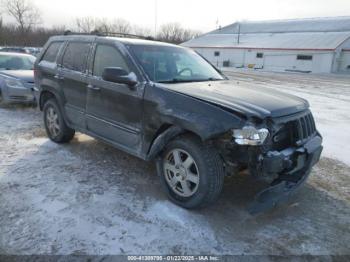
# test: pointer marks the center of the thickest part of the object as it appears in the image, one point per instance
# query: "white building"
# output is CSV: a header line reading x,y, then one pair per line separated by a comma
x,y
318,45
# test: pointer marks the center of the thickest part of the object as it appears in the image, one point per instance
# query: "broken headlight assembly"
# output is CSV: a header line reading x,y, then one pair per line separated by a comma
x,y
250,135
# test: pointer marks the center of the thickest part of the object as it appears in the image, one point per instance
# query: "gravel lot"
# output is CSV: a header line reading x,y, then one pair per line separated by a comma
x,y
88,198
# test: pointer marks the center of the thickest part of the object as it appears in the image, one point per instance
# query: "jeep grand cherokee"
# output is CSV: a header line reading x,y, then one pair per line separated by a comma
x,y
166,103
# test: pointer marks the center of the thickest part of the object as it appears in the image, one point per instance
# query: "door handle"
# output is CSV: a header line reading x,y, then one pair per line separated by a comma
x,y
59,77
92,87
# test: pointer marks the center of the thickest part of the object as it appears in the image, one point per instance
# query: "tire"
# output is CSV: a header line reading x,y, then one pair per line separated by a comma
x,y
204,178
56,128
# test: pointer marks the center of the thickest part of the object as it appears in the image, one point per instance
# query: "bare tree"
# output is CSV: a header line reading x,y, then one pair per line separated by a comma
x,y
175,33
86,24
142,31
25,13
121,26
103,25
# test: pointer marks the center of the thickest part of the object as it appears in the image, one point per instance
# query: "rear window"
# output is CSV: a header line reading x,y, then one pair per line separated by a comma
x,y
52,51
75,57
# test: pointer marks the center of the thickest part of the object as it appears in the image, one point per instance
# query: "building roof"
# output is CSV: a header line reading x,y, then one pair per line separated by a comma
x,y
300,34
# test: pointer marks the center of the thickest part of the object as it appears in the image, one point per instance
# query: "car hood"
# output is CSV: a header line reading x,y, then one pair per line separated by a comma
x,y
24,75
244,98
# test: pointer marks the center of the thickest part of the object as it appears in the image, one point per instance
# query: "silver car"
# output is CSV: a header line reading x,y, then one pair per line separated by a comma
x,y
17,78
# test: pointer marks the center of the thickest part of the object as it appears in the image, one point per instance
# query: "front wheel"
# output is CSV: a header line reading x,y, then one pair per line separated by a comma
x,y
191,172
56,128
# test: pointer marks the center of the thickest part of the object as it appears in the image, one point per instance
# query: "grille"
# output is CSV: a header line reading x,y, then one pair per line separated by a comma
x,y
304,128
18,97
295,132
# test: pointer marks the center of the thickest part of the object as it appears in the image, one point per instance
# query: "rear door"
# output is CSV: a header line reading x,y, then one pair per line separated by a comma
x,y
73,79
114,111
47,67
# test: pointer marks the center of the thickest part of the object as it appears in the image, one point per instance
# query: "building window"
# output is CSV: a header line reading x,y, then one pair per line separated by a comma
x,y
259,55
304,57
216,53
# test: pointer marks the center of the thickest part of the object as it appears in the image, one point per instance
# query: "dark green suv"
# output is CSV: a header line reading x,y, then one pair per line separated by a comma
x,y
166,103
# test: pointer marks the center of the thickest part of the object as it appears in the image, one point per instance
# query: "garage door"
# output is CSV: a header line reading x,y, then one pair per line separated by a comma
x,y
277,62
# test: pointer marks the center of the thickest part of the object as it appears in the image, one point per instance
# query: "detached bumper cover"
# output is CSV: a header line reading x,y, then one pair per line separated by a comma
x,y
302,159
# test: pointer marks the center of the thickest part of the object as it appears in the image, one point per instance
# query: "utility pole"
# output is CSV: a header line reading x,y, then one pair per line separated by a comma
x,y
155,17
239,32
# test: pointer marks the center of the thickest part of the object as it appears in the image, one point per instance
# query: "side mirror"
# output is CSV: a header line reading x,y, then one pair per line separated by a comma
x,y
119,75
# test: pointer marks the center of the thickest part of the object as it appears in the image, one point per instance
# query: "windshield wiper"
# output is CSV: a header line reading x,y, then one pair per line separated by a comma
x,y
213,79
176,80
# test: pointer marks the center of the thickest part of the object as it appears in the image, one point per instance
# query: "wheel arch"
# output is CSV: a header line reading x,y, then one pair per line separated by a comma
x,y
48,92
165,134
44,97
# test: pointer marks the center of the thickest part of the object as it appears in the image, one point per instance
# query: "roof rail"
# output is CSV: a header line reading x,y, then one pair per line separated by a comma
x,y
98,33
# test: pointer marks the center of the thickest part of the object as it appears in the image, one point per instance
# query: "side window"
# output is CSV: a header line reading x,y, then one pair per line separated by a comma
x,y
52,52
76,55
107,56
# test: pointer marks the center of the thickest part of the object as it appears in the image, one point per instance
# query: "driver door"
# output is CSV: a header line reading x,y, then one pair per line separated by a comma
x,y
114,111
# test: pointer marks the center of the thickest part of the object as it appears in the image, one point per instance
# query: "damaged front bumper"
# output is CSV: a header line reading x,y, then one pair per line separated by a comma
x,y
298,162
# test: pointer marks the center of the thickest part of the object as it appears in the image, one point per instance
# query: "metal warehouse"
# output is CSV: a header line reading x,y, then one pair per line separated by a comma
x,y
317,45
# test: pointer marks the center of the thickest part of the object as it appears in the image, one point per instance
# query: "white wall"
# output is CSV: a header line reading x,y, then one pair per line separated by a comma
x,y
344,65
342,59
273,60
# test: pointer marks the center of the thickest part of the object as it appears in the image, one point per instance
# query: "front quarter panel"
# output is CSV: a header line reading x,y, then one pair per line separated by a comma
x,y
166,107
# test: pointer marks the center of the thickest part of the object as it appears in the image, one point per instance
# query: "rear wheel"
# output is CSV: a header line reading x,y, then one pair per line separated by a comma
x,y
56,128
191,172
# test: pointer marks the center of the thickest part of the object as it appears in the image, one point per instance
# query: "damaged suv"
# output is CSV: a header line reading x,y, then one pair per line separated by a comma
x,y
166,103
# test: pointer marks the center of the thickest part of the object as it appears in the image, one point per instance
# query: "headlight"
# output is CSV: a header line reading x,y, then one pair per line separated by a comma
x,y
249,135
14,83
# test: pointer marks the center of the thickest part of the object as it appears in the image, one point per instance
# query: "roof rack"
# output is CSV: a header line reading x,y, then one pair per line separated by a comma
x,y
98,33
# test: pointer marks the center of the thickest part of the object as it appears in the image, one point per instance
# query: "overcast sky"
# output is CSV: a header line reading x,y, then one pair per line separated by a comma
x,y
196,14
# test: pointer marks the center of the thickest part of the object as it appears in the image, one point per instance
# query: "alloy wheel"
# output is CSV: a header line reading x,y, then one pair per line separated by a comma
x,y
52,122
181,172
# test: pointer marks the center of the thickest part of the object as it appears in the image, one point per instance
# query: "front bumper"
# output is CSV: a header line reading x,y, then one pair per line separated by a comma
x,y
18,95
298,162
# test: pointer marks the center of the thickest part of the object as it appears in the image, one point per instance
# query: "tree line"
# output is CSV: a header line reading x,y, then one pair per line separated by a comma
x,y
27,30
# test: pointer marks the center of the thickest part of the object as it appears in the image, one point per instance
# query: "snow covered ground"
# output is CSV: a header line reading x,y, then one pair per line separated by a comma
x,y
89,198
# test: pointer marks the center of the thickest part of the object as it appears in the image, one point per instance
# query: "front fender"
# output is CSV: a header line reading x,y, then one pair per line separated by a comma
x,y
162,140
164,106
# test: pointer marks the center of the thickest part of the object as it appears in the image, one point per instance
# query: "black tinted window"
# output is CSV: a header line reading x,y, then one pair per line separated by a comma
x,y
52,51
76,55
108,56
304,57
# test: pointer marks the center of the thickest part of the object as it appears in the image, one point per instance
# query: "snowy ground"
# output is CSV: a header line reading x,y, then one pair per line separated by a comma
x,y
88,198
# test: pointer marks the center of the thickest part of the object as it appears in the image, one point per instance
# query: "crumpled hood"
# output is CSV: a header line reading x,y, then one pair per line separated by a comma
x,y
24,75
244,98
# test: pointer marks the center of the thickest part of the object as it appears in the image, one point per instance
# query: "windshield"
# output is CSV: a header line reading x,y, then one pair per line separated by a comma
x,y
16,62
168,64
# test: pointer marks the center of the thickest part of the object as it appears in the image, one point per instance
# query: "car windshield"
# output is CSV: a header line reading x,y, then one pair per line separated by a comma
x,y
168,64
16,62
